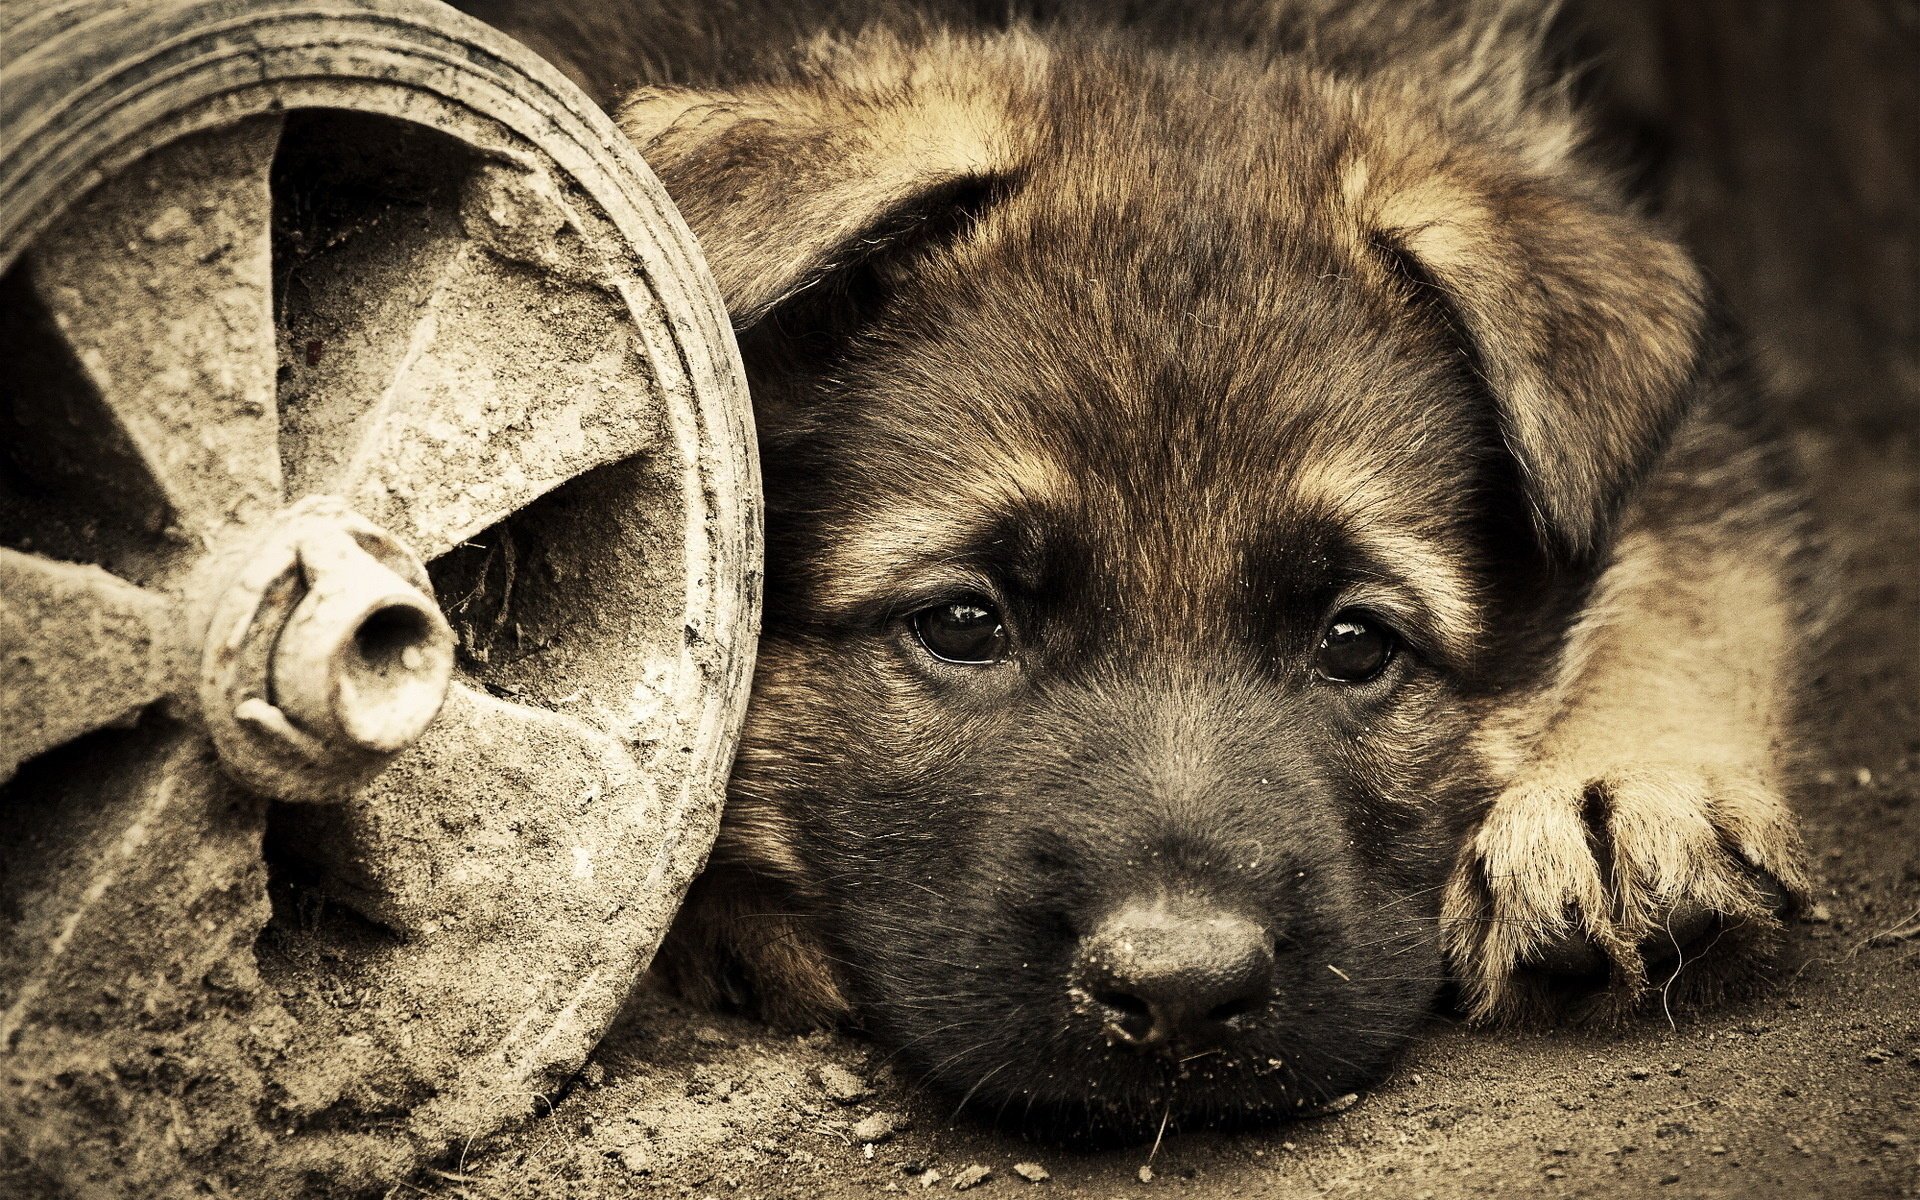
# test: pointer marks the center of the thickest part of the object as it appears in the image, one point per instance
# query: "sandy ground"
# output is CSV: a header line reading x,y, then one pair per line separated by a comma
x,y
1812,1091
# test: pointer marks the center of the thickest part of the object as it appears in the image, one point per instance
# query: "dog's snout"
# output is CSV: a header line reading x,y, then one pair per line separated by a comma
x,y
1163,975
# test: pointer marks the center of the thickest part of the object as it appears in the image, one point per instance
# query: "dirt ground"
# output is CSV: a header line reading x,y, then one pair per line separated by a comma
x,y
1811,1091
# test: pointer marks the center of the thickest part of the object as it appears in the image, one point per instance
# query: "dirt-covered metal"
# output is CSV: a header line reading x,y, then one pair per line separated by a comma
x,y
371,434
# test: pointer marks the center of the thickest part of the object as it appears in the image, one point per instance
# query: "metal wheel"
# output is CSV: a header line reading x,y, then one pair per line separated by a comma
x,y
378,585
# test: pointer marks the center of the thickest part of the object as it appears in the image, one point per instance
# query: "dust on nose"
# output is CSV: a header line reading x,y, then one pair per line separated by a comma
x,y
1171,973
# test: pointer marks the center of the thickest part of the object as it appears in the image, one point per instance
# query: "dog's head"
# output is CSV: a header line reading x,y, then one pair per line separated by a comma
x,y
1175,470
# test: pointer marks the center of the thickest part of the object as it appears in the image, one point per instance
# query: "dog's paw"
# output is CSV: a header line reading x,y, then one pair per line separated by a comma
x,y
1597,890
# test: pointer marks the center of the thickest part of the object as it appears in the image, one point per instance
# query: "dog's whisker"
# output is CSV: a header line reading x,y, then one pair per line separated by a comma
x,y
979,1083
1166,1114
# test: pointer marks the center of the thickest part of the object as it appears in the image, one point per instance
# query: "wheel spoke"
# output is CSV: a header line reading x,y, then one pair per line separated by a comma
x,y
491,784
505,365
505,824
79,649
131,868
161,283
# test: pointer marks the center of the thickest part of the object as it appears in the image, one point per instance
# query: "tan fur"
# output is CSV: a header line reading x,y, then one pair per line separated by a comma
x,y
733,917
895,125
1668,729
901,540
741,937
1429,574
758,835
1542,283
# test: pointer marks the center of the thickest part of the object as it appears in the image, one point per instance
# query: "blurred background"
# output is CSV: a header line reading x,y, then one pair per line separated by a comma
x,y
1783,138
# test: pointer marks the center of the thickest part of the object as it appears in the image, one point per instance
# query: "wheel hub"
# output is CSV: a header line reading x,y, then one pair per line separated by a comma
x,y
326,655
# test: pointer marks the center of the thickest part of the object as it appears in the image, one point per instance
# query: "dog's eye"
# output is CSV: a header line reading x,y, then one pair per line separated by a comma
x,y
1354,649
962,631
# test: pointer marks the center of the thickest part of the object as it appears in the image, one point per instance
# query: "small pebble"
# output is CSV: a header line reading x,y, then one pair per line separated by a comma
x,y
169,225
877,1128
1820,914
929,1177
843,1086
1556,1173
1877,1055
972,1177
708,1081
1863,778
636,1159
1032,1172
1670,1177
1145,1173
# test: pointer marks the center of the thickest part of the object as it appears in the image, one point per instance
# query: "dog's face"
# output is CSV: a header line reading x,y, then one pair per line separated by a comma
x,y
1165,506
1119,614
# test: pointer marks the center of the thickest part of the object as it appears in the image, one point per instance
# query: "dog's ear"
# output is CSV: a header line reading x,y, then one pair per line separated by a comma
x,y
784,184
1585,324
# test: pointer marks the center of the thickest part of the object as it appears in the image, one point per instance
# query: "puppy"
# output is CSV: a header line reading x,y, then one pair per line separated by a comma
x,y
1258,526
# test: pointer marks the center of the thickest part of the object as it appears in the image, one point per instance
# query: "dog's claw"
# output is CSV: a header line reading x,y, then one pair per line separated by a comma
x,y
1607,886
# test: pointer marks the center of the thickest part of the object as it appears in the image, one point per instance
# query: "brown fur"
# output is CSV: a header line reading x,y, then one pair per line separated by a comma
x,y
1651,772
1146,331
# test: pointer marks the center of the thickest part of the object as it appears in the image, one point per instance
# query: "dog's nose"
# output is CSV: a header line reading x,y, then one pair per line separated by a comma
x,y
1165,974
